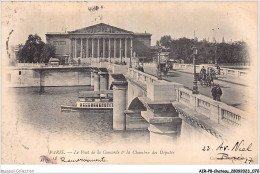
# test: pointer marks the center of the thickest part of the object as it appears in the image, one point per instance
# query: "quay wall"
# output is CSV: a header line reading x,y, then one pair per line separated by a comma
x,y
36,78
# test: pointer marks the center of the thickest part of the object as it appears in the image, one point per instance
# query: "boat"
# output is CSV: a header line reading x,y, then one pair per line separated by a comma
x,y
93,101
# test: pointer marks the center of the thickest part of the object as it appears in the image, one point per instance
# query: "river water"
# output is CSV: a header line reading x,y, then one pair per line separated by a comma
x,y
34,118
42,110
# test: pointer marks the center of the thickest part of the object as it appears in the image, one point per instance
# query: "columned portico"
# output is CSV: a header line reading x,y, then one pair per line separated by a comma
x,y
85,47
100,41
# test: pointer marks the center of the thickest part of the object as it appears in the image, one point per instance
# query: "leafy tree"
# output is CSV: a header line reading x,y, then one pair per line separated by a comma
x,y
180,49
166,41
47,53
35,50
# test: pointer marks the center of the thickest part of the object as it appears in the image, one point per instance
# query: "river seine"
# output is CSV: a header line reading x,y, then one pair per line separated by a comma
x,y
40,111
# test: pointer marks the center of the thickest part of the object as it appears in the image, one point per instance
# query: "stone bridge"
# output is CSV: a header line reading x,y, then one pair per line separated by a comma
x,y
168,109
142,102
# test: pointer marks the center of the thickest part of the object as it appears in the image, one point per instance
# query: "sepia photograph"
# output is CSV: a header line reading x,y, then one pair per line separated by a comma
x,y
138,82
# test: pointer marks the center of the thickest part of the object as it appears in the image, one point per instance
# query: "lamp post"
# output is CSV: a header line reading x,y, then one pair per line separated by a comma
x,y
216,60
130,63
195,86
159,63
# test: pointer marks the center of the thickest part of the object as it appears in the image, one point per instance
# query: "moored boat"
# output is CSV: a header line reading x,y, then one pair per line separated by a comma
x,y
93,102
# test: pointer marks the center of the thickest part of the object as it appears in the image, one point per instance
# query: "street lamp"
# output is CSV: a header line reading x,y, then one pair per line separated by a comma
x,y
130,63
195,86
159,63
216,60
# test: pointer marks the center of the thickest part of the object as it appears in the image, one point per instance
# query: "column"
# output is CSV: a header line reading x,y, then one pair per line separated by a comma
x,y
92,48
120,49
119,98
98,48
109,56
131,45
96,81
103,81
91,78
75,48
87,53
114,48
125,47
70,45
104,48
81,48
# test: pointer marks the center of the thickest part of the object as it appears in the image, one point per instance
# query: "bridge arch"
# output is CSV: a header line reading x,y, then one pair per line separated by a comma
x,y
136,104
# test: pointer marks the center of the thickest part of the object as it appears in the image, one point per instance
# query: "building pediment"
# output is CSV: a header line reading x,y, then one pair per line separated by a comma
x,y
101,29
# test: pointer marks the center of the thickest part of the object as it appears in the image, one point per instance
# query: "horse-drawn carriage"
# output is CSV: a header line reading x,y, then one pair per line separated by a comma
x,y
163,68
207,79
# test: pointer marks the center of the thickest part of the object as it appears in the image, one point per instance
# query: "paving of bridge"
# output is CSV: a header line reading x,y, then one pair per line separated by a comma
x,y
233,94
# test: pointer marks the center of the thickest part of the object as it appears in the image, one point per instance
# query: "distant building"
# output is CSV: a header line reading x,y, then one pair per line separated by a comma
x,y
100,41
164,54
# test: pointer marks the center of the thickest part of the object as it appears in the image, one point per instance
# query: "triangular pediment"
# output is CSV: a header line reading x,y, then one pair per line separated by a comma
x,y
100,29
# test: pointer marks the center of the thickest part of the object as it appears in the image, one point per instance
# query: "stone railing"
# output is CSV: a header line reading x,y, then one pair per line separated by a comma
x,y
217,111
223,71
30,64
151,64
141,76
186,66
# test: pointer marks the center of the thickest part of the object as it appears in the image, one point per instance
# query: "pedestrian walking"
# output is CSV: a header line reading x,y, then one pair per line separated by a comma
x,y
218,92
214,92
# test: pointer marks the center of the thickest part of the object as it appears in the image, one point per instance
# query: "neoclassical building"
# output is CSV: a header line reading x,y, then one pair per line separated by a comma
x,y
101,41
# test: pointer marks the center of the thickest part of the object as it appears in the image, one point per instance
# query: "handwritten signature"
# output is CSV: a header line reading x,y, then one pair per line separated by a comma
x,y
225,156
239,146
102,159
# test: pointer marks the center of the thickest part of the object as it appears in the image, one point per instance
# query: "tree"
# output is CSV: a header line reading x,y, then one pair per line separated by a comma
x,y
180,49
166,41
32,51
47,53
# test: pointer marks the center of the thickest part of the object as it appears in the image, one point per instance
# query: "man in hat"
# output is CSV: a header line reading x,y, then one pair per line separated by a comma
x,y
214,92
218,92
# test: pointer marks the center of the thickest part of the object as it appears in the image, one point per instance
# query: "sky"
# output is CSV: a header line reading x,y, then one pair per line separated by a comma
x,y
231,20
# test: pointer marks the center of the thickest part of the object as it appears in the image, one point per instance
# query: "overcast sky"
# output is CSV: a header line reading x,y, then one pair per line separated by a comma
x,y
233,20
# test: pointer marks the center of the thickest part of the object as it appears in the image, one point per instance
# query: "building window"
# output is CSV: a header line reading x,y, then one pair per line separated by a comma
x,y
59,42
20,72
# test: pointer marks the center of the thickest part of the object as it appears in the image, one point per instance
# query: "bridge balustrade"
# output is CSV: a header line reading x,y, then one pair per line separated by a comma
x,y
141,76
218,111
223,71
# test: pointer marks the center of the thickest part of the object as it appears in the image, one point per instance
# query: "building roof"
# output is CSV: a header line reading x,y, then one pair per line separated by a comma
x,y
56,33
100,28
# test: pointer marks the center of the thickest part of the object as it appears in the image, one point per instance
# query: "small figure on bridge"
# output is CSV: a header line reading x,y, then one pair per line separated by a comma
x,y
219,92
218,68
216,92
203,72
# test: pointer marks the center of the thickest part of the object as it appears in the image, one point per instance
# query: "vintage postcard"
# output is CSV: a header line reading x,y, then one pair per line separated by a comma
x,y
129,82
